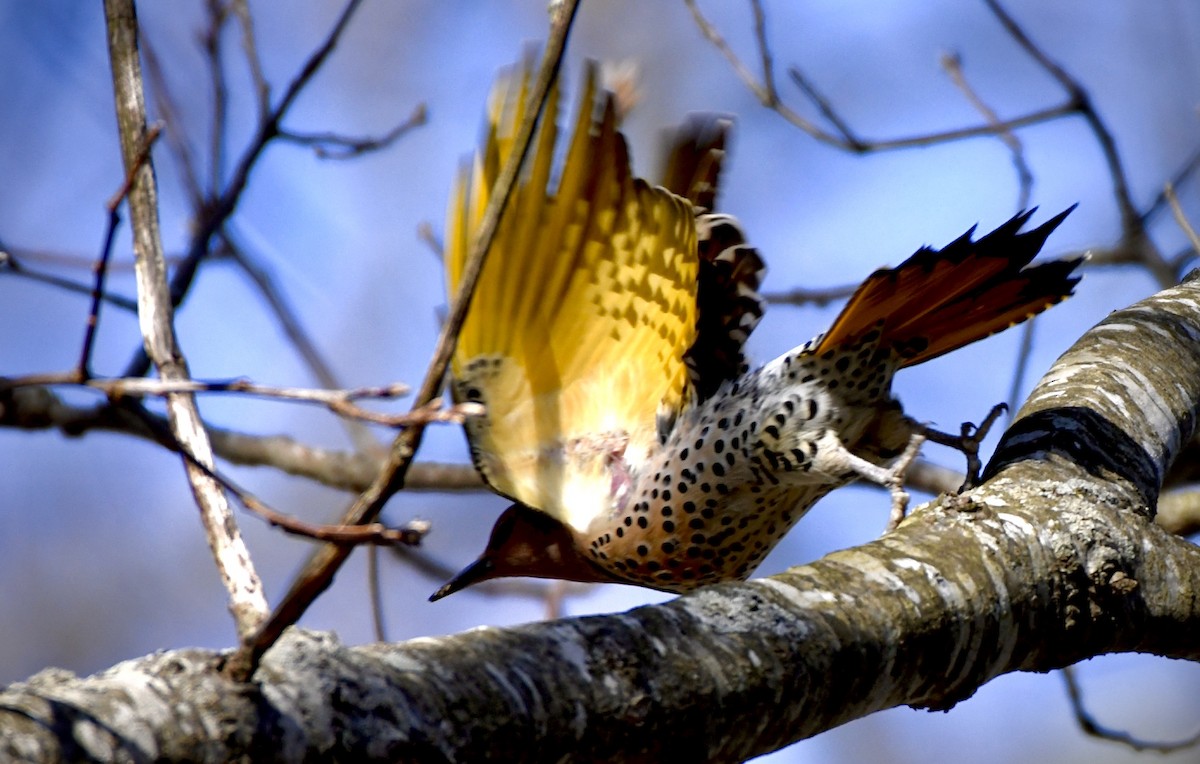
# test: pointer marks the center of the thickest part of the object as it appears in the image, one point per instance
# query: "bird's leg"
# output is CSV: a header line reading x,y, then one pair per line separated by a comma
x,y
968,442
833,457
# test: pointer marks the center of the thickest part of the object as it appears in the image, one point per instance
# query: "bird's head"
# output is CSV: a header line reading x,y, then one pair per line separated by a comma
x,y
527,542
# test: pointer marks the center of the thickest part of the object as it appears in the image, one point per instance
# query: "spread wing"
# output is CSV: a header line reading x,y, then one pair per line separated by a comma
x,y
575,339
728,300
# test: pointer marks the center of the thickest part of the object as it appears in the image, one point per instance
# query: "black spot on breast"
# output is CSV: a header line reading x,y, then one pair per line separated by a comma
x,y
643,550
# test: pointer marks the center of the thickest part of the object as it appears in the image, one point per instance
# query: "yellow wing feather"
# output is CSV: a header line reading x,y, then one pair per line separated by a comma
x,y
585,309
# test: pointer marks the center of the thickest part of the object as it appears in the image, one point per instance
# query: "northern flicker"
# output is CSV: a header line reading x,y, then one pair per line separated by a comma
x,y
605,345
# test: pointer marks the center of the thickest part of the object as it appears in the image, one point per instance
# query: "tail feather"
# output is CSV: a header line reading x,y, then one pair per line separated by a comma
x,y
939,300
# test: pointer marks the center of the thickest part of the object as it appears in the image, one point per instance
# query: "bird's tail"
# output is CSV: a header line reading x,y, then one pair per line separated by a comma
x,y
939,300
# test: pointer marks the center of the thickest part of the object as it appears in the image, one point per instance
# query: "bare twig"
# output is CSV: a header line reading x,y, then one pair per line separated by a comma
x,y
426,234
1134,242
321,568
334,146
1160,201
1180,218
9,263
247,601
217,15
1024,352
817,297
100,267
293,329
1093,728
952,64
262,88
39,408
221,207
351,535
176,127
844,138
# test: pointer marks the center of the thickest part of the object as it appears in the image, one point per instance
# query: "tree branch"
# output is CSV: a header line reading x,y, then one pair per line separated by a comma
x,y
1050,561
247,603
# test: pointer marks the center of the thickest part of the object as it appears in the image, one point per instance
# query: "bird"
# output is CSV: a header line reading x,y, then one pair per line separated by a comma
x,y
605,348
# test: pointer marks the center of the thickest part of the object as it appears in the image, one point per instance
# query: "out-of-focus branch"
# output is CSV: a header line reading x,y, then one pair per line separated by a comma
x,y
845,137
155,313
335,146
1179,512
1135,245
220,208
1094,728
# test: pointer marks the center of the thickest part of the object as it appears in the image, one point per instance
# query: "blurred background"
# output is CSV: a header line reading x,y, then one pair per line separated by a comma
x,y
101,553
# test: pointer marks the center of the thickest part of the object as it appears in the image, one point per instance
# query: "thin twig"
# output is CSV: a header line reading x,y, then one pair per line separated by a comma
x,y
1180,218
262,88
10,264
217,16
844,138
247,601
176,127
100,268
426,234
1160,201
1024,352
33,408
952,64
350,535
335,146
293,329
1091,727
818,297
319,571
376,594
1133,230
223,206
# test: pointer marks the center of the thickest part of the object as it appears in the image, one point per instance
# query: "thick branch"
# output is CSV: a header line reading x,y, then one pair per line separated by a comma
x,y
1051,561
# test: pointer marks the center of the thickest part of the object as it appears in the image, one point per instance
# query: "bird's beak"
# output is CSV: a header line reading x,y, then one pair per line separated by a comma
x,y
480,570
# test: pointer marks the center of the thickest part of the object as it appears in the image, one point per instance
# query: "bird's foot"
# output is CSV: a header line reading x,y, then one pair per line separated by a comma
x,y
835,458
968,442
